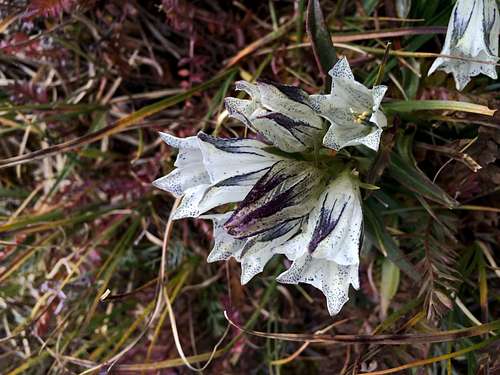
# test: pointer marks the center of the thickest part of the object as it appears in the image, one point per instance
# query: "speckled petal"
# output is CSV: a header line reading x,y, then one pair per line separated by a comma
x,y
345,132
285,192
260,249
279,113
472,33
352,94
252,253
230,157
203,198
282,99
189,171
190,203
352,109
225,245
378,93
336,222
214,171
241,109
342,70
331,278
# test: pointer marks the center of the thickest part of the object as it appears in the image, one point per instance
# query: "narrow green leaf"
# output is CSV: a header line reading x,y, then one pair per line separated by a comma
x,y
403,168
435,105
17,193
389,284
376,230
321,41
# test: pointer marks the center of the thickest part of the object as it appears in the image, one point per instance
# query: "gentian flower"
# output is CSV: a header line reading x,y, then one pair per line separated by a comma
x,y
352,110
281,195
472,33
325,253
279,113
213,171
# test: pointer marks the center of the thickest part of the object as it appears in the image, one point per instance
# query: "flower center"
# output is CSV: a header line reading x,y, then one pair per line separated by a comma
x,y
362,118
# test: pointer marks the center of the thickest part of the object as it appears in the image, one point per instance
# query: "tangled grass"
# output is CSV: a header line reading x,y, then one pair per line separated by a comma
x,y
93,275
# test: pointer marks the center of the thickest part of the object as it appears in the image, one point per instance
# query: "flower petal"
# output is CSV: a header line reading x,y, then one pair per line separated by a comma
x,y
190,170
241,109
463,70
285,192
472,33
214,171
352,110
203,198
231,157
279,113
289,101
334,226
342,70
286,133
252,253
258,250
190,203
351,94
378,93
225,245
336,223
326,253
328,276
344,131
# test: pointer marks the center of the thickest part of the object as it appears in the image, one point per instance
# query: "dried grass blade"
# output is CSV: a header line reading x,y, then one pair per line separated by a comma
x,y
390,339
117,127
428,361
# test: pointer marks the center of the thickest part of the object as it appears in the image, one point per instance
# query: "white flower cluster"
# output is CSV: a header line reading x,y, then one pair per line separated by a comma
x,y
472,34
284,201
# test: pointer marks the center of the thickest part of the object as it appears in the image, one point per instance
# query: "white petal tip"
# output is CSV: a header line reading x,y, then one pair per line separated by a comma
x,y
169,139
341,69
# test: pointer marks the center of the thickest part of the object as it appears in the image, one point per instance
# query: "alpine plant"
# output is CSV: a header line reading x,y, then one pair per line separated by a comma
x,y
472,36
283,194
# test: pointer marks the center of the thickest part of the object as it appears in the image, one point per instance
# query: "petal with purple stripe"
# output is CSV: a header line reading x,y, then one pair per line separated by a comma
x,y
336,224
282,114
225,158
287,191
253,253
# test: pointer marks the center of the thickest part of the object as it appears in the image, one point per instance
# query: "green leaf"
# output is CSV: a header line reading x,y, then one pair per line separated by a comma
x,y
382,240
321,41
403,168
388,284
433,105
411,81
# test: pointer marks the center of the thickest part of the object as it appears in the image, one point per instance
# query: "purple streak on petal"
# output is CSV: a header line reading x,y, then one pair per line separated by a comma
x,y
230,145
240,179
248,213
291,92
325,224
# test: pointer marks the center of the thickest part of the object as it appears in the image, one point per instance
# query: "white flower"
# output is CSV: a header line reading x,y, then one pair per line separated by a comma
x,y
472,33
352,109
325,254
283,202
213,171
280,113
254,252
319,230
